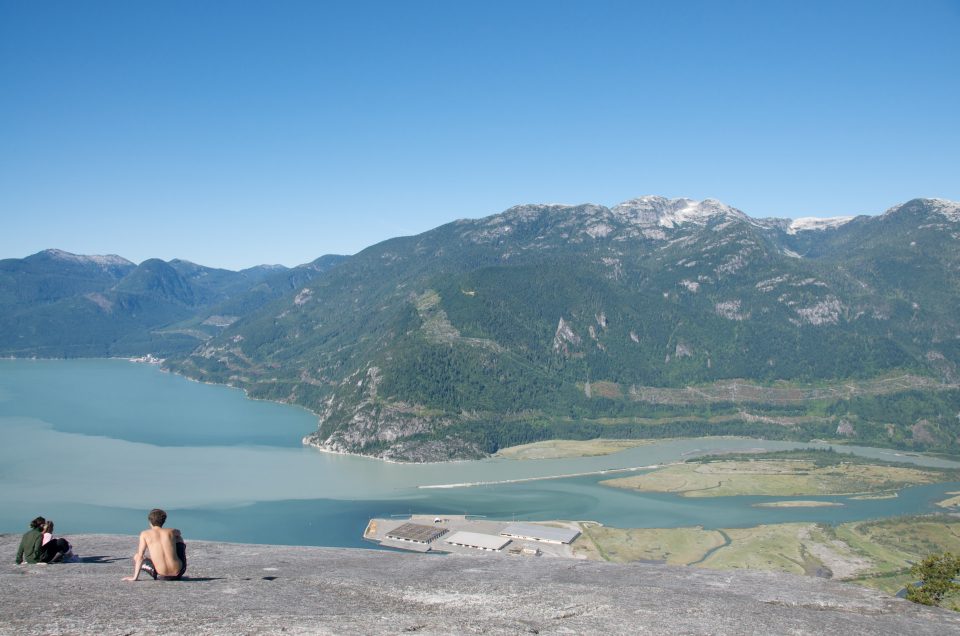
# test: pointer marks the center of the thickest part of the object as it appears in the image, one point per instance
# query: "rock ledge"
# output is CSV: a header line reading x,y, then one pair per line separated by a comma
x,y
260,589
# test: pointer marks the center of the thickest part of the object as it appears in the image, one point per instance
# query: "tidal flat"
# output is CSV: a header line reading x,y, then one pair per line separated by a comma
x,y
873,553
560,448
773,478
951,503
792,503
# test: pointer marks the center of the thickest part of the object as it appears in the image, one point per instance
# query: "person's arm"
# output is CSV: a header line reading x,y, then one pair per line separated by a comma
x,y
138,559
36,552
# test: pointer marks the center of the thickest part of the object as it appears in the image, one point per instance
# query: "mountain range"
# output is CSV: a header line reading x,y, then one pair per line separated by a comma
x,y
57,304
655,317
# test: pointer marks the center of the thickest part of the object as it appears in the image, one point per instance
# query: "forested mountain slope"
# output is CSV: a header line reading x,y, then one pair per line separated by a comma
x,y
583,321
57,304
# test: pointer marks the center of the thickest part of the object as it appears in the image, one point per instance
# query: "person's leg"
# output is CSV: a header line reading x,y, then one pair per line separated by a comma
x,y
148,567
182,555
53,550
48,551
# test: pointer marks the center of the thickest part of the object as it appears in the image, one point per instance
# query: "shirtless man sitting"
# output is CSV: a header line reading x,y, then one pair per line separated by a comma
x,y
168,552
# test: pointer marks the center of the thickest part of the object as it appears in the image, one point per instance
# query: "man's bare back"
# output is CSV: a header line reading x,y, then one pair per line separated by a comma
x,y
167,550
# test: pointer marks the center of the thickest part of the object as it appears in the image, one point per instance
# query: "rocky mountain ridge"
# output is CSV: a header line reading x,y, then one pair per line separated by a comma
x,y
58,304
550,320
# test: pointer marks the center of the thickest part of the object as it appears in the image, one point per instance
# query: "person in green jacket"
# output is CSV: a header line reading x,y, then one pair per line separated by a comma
x,y
31,545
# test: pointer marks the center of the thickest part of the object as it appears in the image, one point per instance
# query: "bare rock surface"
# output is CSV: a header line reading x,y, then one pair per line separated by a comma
x,y
260,589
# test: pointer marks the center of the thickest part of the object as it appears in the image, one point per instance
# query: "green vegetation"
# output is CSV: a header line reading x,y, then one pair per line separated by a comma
x,y
678,546
553,449
951,502
530,326
54,304
777,547
790,474
937,574
888,554
819,457
797,504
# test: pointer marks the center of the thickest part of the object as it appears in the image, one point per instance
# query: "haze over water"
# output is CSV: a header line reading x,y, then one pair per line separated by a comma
x,y
94,444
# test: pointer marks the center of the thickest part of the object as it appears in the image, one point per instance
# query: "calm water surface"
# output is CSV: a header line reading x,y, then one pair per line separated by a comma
x,y
94,444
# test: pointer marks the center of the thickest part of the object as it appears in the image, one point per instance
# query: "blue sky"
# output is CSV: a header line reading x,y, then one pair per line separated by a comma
x,y
239,133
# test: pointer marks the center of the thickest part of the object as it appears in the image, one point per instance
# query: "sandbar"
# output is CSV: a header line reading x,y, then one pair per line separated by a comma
x,y
797,504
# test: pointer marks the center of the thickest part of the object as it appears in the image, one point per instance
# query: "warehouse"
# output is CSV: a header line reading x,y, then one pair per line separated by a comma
x,y
416,533
478,541
546,534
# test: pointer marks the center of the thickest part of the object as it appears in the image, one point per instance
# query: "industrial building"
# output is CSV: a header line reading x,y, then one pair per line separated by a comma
x,y
478,541
413,536
464,534
545,534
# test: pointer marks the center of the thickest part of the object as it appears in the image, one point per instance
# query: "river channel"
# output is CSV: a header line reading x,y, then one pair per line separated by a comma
x,y
94,444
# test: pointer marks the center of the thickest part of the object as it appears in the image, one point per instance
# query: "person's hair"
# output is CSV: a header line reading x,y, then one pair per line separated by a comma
x,y
157,517
48,526
36,523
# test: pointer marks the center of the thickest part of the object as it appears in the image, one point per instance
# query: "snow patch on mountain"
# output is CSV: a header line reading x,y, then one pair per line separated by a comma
x,y
103,261
672,213
659,219
948,209
812,224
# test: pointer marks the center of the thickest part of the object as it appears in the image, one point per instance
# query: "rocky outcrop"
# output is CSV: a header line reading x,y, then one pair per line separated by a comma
x,y
565,338
259,589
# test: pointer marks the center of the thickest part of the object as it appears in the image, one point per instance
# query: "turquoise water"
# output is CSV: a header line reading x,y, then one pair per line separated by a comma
x,y
94,444
138,403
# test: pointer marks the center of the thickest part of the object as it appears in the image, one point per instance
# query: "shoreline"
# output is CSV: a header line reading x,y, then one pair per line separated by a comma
x,y
332,451
158,363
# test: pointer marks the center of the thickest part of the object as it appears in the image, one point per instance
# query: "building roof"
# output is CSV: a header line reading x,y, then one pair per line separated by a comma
x,y
416,532
542,533
478,540
413,546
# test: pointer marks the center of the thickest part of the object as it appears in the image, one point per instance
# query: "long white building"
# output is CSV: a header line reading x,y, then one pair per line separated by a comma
x,y
546,534
477,540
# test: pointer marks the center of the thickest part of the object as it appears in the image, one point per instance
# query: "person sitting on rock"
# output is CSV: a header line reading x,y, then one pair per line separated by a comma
x,y
53,549
168,552
31,545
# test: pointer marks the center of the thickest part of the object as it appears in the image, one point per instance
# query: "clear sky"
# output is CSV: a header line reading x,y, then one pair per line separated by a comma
x,y
238,133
